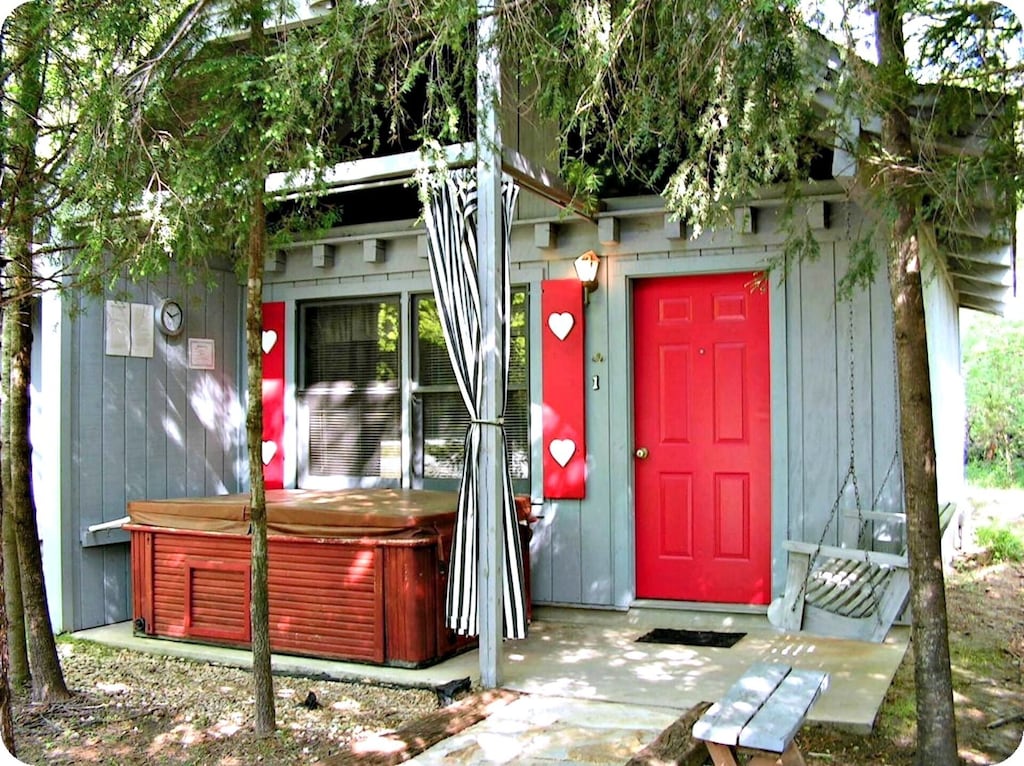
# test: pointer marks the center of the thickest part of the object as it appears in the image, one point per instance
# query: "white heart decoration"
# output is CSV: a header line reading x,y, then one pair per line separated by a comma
x,y
562,450
269,450
561,324
269,340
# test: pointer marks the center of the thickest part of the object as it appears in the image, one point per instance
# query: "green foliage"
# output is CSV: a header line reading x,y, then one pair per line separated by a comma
x,y
706,104
178,152
959,82
702,105
968,43
584,181
994,474
993,360
1003,541
179,138
72,45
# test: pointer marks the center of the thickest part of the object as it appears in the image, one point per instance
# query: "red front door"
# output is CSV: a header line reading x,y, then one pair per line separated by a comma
x,y
702,439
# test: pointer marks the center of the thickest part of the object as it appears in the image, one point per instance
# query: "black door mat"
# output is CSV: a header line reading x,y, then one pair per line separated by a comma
x,y
691,637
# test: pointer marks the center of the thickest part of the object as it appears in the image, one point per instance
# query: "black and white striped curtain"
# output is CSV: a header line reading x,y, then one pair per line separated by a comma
x,y
450,214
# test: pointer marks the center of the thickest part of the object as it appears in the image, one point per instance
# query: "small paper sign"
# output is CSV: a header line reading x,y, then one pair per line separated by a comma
x,y
201,354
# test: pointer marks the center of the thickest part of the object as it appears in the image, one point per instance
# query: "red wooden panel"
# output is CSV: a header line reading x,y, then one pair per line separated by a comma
x,y
273,394
702,410
217,599
175,556
676,518
674,416
732,516
564,416
142,579
410,595
731,406
326,598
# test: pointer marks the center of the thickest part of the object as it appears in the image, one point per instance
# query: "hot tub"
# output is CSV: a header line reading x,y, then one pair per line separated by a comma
x,y
355,575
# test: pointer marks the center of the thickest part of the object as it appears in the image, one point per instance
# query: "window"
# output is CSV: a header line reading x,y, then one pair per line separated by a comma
x,y
351,396
441,418
351,421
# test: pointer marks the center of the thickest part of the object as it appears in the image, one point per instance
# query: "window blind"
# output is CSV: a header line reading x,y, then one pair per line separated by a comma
x,y
351,389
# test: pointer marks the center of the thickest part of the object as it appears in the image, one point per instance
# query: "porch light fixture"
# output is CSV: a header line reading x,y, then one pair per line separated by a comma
x,y
586,272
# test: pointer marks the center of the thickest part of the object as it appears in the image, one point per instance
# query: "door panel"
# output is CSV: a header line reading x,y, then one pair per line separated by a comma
x,y
702,412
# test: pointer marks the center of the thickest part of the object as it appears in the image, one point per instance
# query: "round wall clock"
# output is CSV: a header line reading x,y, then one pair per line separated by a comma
x,y
170,318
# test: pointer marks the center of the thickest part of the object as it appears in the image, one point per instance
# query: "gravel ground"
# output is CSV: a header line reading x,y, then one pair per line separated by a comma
x,y
133,708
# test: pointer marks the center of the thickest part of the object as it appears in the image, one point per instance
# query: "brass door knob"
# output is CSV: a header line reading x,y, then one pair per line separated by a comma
x,y
642,453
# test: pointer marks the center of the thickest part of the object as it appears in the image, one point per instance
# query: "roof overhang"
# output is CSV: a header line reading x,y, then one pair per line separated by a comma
x,y
984,277
399,168
980,257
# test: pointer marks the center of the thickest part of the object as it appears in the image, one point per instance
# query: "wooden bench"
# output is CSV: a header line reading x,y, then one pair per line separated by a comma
x,y
760,715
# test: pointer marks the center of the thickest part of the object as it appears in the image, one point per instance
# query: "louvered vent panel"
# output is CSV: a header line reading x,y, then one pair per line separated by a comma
x,y
328,597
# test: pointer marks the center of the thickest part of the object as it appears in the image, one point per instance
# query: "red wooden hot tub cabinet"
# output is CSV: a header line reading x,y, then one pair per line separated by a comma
x,y
354,575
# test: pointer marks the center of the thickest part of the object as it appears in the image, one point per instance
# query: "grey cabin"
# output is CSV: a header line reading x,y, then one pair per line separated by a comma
x,y
718,412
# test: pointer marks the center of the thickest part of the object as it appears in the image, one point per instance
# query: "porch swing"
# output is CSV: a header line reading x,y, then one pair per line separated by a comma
x,y
848,592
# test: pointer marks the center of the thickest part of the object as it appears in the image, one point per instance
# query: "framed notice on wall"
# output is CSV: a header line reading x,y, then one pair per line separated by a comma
x,y
201,354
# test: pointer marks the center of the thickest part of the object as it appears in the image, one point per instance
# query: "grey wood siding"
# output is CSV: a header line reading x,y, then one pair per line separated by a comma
x,y
582,550
143,428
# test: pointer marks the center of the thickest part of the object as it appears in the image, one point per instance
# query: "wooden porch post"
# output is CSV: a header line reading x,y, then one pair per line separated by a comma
x,y
490,280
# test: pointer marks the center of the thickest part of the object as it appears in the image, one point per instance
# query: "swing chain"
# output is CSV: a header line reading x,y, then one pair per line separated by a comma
x,y
851,471
850,479
876,503
851,474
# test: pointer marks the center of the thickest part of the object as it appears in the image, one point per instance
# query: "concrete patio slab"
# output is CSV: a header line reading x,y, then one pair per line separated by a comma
x,y
592,694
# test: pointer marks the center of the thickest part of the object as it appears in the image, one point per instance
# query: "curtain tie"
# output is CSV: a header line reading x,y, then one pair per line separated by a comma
x,y
499,422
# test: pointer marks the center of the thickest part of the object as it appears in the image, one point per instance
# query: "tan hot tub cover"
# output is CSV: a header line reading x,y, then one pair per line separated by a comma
x,y
306,513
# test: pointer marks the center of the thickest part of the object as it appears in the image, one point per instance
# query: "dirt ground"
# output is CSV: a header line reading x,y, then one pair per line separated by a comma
x,y
140,709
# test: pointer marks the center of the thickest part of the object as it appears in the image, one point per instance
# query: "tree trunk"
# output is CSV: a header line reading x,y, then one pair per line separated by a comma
x,y
47,678
21,195
936,723
6,718
19,676
263,680
260,606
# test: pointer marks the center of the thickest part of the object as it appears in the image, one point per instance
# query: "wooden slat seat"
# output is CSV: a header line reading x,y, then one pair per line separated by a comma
x,y
761,714
849,592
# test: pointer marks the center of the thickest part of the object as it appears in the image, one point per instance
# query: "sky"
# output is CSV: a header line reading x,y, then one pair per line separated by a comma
x,y
861,22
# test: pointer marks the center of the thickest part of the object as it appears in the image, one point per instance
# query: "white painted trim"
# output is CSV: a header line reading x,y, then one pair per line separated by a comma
x,y
290,436
779,413
345,288
394,167
406,323
49,424
368,170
